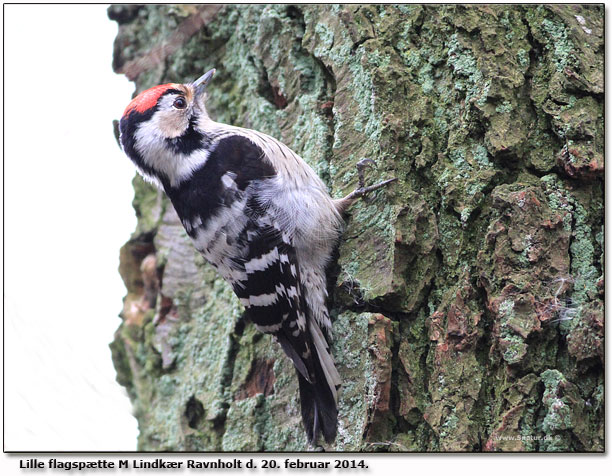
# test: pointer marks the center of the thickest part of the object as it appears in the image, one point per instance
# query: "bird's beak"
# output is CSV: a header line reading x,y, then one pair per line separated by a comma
x,y
201,83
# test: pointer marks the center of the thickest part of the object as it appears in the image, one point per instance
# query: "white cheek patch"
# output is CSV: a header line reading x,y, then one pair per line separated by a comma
x,y
172,123
152,146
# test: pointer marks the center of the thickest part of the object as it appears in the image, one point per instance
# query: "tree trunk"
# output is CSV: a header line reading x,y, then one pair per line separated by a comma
x,y
467,298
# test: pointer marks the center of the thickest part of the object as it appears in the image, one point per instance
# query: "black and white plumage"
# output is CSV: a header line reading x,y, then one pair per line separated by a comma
x,y
260,215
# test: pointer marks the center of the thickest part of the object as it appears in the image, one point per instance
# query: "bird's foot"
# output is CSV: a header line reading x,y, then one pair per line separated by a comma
x,y
362,190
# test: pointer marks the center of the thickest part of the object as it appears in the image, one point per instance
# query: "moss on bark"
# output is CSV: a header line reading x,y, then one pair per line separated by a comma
x,y
467,298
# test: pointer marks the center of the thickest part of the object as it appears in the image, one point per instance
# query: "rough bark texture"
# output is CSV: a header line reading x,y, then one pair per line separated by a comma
x,y
467,298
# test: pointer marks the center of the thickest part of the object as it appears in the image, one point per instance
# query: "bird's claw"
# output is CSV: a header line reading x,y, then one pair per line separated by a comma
x,y
362,190
361,166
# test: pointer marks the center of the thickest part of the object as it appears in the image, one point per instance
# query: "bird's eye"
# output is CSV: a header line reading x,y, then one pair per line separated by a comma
x,y
180,103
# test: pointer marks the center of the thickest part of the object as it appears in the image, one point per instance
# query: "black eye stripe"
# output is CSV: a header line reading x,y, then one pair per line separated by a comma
x,y
172,91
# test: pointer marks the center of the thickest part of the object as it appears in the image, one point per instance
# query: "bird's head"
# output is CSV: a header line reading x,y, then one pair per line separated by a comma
x,y
161,130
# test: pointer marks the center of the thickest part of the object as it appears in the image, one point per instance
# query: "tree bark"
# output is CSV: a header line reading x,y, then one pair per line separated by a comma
x,y
467,298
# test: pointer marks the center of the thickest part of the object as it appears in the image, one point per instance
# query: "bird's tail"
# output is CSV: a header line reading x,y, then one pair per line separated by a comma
x,y
319,399
319,411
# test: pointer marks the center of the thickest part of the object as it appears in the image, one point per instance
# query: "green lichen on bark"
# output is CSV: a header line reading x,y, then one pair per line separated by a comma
x,y
467,298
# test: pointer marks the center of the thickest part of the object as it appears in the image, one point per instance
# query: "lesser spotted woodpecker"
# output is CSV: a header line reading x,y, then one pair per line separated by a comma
x,y
259,215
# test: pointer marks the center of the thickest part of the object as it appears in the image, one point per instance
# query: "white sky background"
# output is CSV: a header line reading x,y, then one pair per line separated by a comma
x,y
67,212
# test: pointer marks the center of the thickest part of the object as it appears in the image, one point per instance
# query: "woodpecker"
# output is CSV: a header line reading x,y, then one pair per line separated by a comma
x,y
260,216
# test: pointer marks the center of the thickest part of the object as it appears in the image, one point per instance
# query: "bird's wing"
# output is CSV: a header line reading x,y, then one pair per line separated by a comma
x,y
271,292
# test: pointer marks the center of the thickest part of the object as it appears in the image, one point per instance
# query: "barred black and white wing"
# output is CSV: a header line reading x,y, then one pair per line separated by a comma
x,y
273,297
